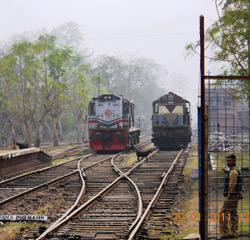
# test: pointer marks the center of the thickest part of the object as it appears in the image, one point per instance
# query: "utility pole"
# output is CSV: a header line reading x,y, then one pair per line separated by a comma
x,y
203,161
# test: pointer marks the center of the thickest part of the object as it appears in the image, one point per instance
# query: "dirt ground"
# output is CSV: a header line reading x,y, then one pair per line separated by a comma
x,y
186,214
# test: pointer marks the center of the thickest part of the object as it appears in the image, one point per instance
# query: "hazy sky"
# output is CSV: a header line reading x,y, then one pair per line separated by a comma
x,y
156,29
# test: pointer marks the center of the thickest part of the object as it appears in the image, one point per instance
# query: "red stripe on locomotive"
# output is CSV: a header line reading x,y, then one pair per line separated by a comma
x,y
116,139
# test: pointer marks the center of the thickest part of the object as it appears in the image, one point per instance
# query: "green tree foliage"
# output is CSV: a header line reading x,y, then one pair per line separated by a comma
x,y
229,37
46,85
16,71
81,92
35,78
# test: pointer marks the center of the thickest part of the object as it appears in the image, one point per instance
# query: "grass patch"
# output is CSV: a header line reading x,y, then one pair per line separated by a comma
x,y
188,218
4,151
190,212
10,230
66,158
62,160
54,148
132,158
192,161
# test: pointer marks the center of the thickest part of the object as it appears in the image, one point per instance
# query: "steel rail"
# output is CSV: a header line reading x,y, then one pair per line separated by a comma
x,y
142,161
154,199
138,144
96,163
74,206
42,185
140,205
86,205
76,212
37,171
70,151
36,188
80,195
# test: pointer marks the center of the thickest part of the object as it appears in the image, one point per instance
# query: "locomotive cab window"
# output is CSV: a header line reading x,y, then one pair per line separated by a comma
x,y
92,109
164,98
156,108
125,108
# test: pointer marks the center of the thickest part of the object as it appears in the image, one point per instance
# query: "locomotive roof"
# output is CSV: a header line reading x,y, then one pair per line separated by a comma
x,y
113,96
177,99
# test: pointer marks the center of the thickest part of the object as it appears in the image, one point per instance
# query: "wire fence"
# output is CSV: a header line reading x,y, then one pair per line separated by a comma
x,y
228,131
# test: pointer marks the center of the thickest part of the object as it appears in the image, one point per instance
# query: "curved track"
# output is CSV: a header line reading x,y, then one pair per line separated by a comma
x,y
113,202
114,213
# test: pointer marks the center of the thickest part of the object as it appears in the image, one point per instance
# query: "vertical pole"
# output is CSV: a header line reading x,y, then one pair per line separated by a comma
x,y
199,156
203,228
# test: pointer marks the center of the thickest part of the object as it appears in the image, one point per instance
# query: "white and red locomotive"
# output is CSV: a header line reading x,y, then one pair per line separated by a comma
x,y
112,123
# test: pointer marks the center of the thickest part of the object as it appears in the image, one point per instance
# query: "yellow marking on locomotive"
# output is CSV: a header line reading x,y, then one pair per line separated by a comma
x,y
164,110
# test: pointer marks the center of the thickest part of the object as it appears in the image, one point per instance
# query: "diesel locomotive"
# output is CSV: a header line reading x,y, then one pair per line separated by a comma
x,y
112,123
171,122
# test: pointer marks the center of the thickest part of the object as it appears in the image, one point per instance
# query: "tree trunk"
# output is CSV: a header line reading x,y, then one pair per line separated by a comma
x,y
48,129
85,135
29,132
54,131
12,132
41,132
37,139
1,133
79,129
25,134
60,129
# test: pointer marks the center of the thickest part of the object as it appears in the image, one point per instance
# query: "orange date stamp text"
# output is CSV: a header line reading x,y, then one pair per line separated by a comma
x,y
211,217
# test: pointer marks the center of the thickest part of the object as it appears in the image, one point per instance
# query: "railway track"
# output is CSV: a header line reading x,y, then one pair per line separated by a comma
x,y
114,212
61,193
69,151
53,200
26,183
111,212
23,184
155,220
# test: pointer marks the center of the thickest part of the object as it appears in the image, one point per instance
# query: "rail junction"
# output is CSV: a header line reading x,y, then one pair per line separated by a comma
x,y
98,196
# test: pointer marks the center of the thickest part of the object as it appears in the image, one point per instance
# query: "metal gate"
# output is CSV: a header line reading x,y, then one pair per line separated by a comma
x,y
224,130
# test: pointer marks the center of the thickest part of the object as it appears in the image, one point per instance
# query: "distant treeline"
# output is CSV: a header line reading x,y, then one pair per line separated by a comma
x,y
46,83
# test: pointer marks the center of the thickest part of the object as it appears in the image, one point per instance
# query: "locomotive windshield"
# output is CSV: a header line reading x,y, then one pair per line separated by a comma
x,y
125,108
92,109
156,108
